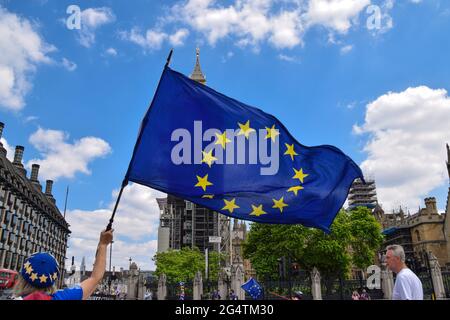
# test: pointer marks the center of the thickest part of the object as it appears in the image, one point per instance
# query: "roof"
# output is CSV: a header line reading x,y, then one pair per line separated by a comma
x,y
11,176
389,231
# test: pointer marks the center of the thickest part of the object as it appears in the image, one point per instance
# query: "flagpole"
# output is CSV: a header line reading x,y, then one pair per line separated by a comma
x,y
125,180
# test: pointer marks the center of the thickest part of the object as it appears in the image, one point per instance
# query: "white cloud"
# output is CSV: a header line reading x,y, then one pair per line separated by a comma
x,y
228,56
287,58
346,49
406,150
151,40
63,159
111,52
135,228
69,65
177,39
280,23
91,20
22,49
335,14
249,20
30,118
9,150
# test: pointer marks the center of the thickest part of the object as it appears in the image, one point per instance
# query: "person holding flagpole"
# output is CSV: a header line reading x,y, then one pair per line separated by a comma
x,y
38,277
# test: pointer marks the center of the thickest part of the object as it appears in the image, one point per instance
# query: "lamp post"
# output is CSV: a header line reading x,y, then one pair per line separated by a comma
x,y
110,275
427,264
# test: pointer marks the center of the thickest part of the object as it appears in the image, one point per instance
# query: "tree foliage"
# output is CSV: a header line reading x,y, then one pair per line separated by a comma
x,y
182,265
354,240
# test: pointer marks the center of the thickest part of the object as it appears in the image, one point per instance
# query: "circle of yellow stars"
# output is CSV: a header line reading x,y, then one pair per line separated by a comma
x,y
34,275
257,209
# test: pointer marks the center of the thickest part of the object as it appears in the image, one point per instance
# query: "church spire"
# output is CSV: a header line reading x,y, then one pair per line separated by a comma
x,y
197,74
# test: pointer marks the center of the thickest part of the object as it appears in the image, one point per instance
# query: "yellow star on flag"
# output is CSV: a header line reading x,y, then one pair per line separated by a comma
x,y
33,276
300,175
29,269
279,204
258,211
272,133
245,129
203,182
43,278
290,151
208,196
55,276
222,139
230,205
208,158
26,265
295,189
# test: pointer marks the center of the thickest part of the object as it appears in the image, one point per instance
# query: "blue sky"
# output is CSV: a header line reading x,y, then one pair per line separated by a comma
x,y
380,95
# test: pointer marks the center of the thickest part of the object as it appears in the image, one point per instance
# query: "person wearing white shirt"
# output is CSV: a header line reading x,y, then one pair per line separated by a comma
x,y
407,285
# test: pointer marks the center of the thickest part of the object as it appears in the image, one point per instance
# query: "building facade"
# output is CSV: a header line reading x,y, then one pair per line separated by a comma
x,y
185,224
29,219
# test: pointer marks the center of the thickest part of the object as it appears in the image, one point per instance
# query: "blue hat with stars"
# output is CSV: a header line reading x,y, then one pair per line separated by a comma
x,y
40,270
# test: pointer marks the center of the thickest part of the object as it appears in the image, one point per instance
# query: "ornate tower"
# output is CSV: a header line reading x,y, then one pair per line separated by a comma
x,y
197,74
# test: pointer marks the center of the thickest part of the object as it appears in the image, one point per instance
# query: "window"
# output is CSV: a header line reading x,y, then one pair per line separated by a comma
x,y
4,236
7,217
25,227
14,261
21,259
418,235
11,238
7,259
14,221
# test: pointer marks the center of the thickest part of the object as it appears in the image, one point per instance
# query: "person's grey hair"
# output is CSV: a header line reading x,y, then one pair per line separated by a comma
x,y
397,251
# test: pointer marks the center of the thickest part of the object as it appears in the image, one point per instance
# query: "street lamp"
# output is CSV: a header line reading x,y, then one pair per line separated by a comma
x,y
110,275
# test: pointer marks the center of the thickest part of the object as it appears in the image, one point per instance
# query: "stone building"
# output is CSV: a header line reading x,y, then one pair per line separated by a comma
x,y
185,224
30,221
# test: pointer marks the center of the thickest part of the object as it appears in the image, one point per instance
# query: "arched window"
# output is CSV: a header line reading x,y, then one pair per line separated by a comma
x,y
418,235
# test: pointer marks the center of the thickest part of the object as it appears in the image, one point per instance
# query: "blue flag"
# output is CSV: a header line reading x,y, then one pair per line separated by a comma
x,y
200,145
253,288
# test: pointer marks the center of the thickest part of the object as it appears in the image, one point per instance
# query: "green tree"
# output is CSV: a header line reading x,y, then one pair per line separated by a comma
x,y
266,243
182,265
354,239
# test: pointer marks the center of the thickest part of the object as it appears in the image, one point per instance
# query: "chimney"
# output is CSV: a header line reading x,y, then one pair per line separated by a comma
x,y
34,176
48,187
18,155
430,204
2,149
48,191
34,172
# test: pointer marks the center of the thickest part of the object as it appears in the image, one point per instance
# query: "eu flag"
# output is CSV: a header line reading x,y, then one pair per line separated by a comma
x,y
253,288
200,145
